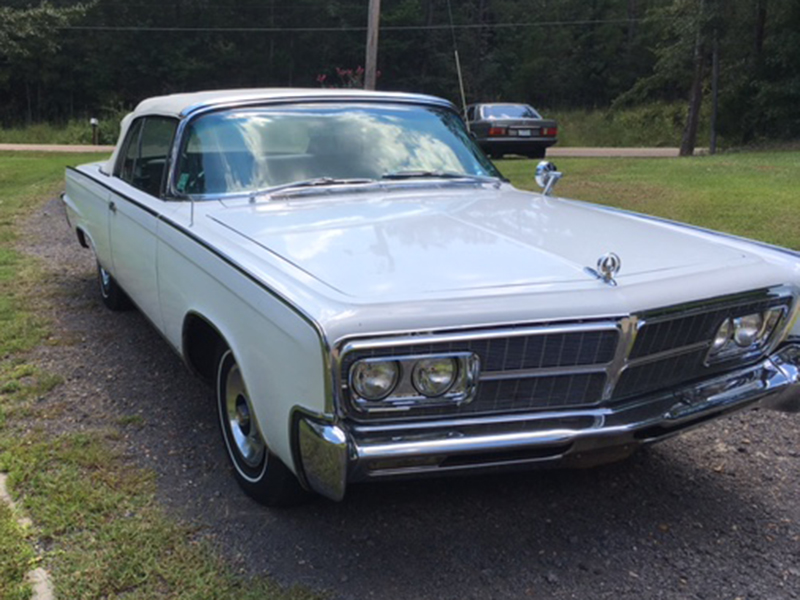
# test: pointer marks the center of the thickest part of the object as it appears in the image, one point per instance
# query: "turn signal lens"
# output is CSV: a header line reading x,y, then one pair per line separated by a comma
x,y
374,380
433,377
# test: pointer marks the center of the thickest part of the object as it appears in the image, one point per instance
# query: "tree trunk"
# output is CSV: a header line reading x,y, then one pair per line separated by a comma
x,y
633,14
689,140
272,41
429,44
761,25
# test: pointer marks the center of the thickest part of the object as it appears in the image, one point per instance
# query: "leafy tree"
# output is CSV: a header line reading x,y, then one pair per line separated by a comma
x,y
67,58
28,40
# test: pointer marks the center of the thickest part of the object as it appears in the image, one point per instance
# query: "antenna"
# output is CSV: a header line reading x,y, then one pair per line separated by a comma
x,y
458,62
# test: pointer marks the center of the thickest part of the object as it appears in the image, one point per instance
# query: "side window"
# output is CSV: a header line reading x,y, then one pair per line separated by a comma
x,y
144,161
126,163
155,145
471,113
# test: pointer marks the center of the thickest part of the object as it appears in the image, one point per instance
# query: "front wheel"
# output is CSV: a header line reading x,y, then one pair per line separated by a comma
x,y
260,473
112,295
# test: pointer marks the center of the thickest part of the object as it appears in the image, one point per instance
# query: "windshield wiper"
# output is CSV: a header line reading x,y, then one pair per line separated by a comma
x,y
306,183
422,174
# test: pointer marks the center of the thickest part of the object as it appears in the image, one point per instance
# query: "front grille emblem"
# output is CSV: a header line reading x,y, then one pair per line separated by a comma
x,y
608,266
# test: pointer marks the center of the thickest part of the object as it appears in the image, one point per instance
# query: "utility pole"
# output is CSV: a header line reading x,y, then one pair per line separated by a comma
x,y
373,22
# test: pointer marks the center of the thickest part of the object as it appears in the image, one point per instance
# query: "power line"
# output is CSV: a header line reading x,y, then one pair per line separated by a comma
x,y
348,29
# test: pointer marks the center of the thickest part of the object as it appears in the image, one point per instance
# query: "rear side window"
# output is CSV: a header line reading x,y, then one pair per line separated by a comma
x,y
144,161
126,164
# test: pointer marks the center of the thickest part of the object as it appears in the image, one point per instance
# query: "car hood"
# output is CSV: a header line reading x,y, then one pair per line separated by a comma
x,y
448,242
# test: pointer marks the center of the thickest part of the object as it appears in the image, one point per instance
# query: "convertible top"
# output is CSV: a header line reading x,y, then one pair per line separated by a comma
x,y
186,104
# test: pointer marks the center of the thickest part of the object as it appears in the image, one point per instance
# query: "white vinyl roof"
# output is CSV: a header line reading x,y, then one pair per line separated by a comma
x,y
183,104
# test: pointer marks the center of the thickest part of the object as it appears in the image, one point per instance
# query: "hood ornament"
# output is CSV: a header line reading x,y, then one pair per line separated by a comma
x,y
608,266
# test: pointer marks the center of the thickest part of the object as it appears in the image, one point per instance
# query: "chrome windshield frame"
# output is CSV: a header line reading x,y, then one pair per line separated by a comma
x,y
190,115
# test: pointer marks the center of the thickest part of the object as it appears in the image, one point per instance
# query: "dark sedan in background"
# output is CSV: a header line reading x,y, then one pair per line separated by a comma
x,y
503,128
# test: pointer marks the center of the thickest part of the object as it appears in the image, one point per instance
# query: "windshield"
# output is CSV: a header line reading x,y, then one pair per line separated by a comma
x,y
243,150
509,111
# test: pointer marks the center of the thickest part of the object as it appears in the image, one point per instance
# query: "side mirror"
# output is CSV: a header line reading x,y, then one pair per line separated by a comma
x,y
547,176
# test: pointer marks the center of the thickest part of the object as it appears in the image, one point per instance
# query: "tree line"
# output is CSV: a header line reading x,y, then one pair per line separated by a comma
x,y
64,59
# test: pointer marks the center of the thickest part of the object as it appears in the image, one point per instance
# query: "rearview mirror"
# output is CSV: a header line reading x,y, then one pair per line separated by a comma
x,y
547,176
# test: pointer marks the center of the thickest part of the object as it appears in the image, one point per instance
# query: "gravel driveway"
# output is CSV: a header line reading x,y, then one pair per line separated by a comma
x,y
713,514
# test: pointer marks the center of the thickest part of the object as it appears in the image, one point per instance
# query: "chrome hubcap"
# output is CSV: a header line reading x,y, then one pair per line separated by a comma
x,y
105,278
246,437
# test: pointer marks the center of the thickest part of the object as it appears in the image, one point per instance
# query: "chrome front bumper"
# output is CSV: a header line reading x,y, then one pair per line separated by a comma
x,y
331,455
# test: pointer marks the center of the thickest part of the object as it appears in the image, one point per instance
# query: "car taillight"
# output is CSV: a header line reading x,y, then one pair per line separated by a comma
x,y
550,131
498,131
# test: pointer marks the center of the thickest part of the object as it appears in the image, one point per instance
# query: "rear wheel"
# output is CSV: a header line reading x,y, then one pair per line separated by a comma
x,y
113,296
260,473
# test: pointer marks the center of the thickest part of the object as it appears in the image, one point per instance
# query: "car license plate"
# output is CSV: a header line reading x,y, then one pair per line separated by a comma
x,y
524,132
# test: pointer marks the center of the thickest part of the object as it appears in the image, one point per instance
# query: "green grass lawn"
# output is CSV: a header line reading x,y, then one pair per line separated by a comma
x,y
756,195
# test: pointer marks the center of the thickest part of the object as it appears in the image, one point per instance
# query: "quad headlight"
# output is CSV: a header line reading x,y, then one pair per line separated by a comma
x,y
374,380
402,383
432,377
742,335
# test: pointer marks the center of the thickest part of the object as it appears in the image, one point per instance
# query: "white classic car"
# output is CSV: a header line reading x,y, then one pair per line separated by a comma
x,y
372,299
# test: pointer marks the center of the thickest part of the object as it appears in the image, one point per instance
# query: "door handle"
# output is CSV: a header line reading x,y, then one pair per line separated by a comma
x,y
112,206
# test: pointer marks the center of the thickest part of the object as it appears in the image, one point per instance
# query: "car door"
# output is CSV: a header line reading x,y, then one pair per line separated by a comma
x,y
135,208
89,199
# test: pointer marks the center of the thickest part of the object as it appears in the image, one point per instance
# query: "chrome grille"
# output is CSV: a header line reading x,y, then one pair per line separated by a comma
x,y
660,374
544,392
693,326
517,368
670,349
574,366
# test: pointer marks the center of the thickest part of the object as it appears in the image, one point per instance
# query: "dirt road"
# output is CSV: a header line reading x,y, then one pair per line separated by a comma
x,y
713,514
